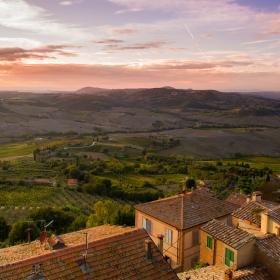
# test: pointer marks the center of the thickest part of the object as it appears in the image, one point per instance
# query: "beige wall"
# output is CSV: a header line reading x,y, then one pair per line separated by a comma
x,y
190,253
246,254
159,227
242,257
268,225
246,225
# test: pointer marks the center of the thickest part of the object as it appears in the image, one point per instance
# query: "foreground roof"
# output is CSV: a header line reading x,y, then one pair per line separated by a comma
x,y
270,246
251,211
231,236
187,210
25,251
218,273
120,256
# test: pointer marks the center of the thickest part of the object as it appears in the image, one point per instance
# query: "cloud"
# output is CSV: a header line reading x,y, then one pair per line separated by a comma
x,y
20,15
109,41
72,76
124,30
70,2
41,53
189,65
137,46
260,42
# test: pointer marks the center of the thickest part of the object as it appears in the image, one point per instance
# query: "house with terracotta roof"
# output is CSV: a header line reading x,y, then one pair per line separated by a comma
x,y
104,252
225,245
237,198
174,222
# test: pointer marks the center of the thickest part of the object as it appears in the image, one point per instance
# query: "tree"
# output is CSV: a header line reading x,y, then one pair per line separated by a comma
x,y
62,219
19,232
4,229
79,223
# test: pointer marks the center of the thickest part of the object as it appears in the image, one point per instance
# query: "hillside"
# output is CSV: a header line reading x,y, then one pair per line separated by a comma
x,y
92,110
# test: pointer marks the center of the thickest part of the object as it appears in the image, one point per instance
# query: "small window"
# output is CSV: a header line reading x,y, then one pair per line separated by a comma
x,y
229,257
195,238
209,242
147,225
169,236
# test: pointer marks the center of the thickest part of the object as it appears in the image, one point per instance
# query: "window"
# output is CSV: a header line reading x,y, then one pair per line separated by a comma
x,y
169,236
147,225
195,238
229,257
209,242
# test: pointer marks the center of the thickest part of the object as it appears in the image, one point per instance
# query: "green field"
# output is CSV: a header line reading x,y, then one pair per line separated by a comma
x,y
255,162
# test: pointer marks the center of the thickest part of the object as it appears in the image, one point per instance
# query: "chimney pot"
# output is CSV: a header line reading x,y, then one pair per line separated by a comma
x,y
148,249
160,242
228,275
257,196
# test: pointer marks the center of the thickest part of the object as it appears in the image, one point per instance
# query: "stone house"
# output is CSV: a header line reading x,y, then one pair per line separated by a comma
x,y
174,223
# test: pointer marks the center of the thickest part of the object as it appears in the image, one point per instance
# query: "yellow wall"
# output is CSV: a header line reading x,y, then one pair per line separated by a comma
x,y
268,225
242,257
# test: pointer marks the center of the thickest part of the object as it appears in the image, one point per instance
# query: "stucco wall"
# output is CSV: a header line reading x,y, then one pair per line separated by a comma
x,y
268,225
242,257
159,227
190,252
246,255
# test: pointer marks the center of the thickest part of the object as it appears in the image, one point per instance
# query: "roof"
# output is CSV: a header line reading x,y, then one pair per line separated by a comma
x,y
275,214
121,256
218,273
231,236
25,251
270,246
237,198
254,273
187,210
251,211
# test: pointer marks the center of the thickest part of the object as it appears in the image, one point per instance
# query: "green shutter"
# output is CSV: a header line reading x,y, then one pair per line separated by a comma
x,y
209,242
229,257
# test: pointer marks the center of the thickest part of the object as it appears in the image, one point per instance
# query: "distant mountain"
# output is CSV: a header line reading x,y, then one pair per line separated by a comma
x,y
268,94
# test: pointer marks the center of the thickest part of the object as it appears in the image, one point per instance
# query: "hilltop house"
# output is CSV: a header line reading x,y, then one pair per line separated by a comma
x,y
174,222
110,253
248,216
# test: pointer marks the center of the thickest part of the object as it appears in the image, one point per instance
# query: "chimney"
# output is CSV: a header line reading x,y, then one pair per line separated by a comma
x,y
148,249
160,242
228,275
56,242
257,196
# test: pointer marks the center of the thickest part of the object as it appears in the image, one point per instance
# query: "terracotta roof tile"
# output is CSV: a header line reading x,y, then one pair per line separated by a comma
x,y
251,211
237,198
275,214
117,257
231,236
187,210
270,246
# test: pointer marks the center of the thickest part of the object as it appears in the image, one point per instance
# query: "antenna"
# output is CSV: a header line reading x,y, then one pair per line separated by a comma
x,y
86,253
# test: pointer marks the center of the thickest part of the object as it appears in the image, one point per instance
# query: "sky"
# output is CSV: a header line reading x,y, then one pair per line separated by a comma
x,y
229,45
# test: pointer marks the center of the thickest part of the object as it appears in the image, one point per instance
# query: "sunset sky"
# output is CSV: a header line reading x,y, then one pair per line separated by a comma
x,y
231,45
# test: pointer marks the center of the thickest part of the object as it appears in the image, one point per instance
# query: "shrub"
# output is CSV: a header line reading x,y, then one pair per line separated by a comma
x,y
19,232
